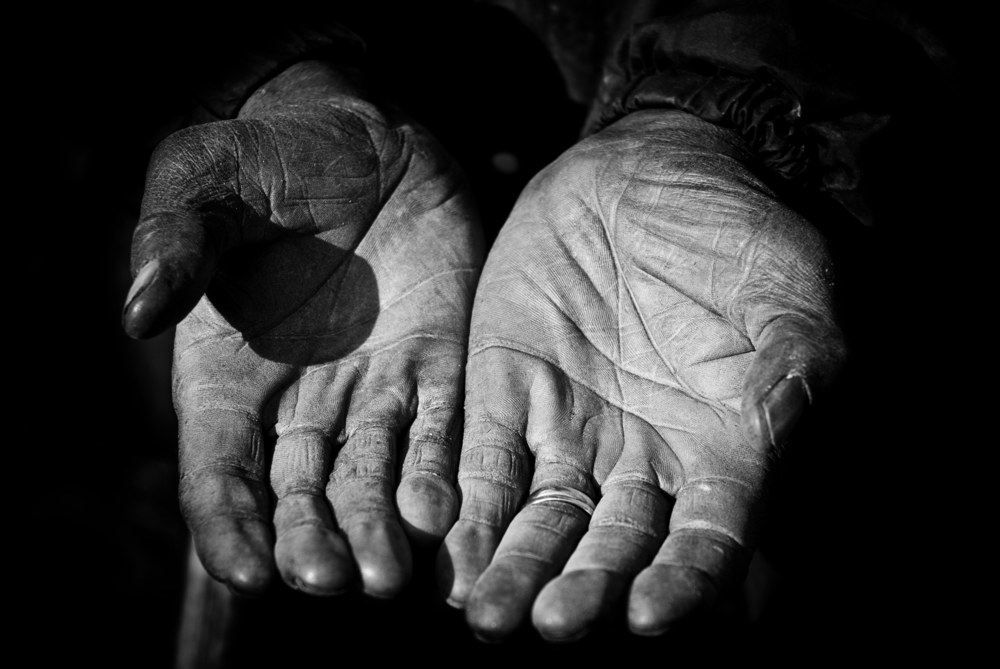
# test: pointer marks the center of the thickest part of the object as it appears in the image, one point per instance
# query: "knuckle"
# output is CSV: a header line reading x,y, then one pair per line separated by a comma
x,y
433,456
499,461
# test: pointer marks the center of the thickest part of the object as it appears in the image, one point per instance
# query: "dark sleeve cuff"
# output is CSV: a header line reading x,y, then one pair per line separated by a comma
x,y
809,85
223,97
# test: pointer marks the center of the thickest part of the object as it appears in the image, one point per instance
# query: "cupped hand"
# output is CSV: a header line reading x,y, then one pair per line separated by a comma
x,y
649,325
320,253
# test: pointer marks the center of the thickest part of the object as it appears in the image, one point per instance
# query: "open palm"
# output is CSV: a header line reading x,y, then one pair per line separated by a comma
x,y
326,250
649,324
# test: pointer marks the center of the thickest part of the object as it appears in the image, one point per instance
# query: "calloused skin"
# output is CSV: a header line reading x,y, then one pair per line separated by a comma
x,y
649,325
319,254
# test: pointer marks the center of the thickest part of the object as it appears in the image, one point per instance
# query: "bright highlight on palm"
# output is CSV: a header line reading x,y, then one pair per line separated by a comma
x,y
649,325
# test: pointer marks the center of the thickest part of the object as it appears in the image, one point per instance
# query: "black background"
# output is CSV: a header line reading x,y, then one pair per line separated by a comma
x,y
867,525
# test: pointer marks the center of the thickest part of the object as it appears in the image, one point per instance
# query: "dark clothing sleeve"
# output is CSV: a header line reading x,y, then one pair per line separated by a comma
x,y
811,86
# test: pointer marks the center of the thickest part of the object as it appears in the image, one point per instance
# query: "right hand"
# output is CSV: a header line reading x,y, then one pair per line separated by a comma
x,y
319,255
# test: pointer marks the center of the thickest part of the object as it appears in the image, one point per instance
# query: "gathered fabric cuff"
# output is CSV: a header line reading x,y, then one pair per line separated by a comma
x,y
223,97
809,85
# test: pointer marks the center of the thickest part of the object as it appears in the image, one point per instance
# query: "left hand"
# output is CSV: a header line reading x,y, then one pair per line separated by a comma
x,y
650,323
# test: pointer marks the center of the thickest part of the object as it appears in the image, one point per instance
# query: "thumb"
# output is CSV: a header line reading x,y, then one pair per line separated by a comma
x,y
787,304
795,359
192,211
176,258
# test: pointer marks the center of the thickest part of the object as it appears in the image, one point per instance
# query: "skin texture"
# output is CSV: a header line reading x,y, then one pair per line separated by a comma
x,y
320,254
649,325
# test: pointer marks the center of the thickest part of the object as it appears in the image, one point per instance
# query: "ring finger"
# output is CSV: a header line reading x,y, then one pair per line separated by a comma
x,y
560,432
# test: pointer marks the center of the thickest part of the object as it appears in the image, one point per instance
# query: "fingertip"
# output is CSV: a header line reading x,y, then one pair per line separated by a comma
x,y
250,579
568,607
665,595
382,583
320,580
501,600
428,506
247,568
180,261
237,552
314,560
136,315
463,557
160,303
490,612
142,280
382,554
490,622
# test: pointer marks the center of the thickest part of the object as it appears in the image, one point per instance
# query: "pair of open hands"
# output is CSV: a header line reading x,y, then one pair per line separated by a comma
x,y
647,328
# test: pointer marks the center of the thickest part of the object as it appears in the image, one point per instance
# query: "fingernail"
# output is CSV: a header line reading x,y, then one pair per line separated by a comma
x,y
783,406
143,279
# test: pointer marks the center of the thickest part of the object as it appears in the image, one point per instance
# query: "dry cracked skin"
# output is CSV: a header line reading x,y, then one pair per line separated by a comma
x,y
649,325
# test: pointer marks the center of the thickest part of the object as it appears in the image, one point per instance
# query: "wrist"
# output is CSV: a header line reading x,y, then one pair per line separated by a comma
x,y
304,83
